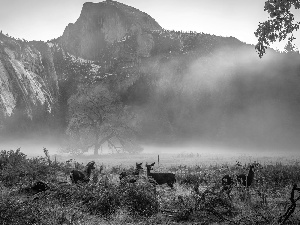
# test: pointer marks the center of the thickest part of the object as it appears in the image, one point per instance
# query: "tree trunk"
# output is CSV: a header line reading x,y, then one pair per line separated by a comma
x,y
96,149
98,144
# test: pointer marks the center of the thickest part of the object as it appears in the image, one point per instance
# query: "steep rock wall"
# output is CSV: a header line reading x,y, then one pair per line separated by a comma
x,y
104,23
27,77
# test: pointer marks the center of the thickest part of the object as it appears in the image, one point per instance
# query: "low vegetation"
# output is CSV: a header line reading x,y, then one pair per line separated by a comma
x,y
197,196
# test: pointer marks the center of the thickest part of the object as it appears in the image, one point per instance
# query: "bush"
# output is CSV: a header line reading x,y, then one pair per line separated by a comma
x,y
95,199
39,210
105,199
14,213
16,169
13,167
139,198
102,200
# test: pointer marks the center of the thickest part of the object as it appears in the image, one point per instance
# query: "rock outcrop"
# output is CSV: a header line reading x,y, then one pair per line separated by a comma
x,y
102,24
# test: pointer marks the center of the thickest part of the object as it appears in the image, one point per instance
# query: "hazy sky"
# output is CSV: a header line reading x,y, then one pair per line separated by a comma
x,y
47,19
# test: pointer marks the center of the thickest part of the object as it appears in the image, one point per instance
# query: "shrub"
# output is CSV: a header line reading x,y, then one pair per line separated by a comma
x,y
16,169
95,199
14,213
39,210
139,198
101,200
13,167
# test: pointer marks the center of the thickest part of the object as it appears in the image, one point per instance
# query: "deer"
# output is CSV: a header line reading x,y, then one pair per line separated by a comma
x,y
242,179
82,176
161,178
227,184
136,172
35,188
246,180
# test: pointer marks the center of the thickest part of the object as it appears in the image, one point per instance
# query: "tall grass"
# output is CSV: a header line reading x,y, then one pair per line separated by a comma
x,y
196,197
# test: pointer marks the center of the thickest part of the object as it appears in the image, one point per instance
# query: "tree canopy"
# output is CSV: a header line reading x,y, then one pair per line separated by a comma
x,y
96,116
280,26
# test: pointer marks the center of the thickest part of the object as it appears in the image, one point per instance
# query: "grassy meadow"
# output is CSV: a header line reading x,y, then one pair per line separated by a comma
x,y
196,198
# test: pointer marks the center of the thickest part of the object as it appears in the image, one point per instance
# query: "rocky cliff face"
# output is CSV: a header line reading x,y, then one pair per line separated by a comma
x,y
27,77
104,23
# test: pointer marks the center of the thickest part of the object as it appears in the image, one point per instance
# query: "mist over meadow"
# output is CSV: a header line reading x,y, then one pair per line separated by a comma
x,y
229,98
161,88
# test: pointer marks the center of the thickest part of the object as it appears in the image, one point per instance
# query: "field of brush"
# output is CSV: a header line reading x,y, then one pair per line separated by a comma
x,y
195,199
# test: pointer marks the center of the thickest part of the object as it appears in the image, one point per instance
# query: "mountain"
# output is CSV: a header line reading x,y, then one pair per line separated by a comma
x,y
181,85
101,24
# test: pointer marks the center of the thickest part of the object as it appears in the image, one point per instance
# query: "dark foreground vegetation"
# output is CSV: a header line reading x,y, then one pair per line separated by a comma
x,y
39,191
